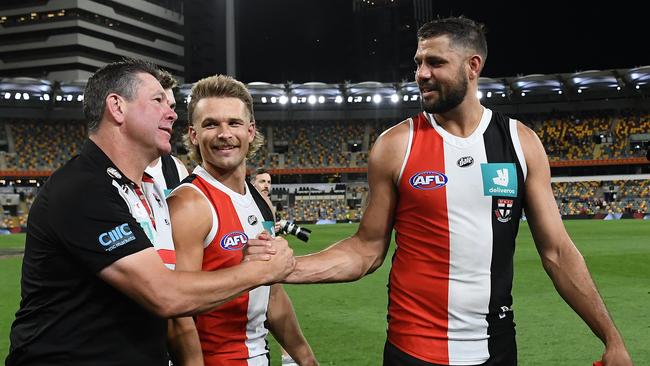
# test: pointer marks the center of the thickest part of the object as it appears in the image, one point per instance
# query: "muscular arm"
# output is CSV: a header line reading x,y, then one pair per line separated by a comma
x,y
363,252
560,257
143,277
284,326
191,222
183,342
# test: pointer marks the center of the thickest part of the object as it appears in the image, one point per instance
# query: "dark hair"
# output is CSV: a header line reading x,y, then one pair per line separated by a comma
x,y
257,172
221,86
166,80
461,31
117,77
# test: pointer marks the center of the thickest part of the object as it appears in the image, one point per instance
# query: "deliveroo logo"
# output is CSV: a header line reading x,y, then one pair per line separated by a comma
x,y
499,179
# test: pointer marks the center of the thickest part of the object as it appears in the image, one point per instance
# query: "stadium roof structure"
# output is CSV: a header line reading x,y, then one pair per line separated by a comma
x,y
515,92
593,84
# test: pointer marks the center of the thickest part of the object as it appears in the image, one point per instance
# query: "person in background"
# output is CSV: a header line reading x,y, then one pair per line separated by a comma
x,y
167,170
261,179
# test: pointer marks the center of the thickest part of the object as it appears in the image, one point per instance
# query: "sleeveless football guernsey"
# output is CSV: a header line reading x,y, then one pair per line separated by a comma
x,y
460,201
234,333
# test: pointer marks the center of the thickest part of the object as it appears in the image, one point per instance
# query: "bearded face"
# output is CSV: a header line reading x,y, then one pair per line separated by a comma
x,y
442,96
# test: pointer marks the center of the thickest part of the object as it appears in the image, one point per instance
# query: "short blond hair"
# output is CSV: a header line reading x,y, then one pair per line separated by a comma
x,y
221,86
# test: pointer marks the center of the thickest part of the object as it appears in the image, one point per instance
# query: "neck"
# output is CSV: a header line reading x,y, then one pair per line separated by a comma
x,y
235,179
463,120
131,162
154,162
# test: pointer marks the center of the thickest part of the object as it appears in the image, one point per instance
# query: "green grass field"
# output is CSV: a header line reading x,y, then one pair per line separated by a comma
x,y
345,323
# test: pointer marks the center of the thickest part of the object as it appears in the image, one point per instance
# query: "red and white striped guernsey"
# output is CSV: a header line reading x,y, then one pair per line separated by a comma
x,y
234,333
460,201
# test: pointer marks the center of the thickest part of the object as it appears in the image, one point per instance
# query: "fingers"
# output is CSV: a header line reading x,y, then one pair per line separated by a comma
x,y
256,246
264,235
283,259
257,257
280,241
259,250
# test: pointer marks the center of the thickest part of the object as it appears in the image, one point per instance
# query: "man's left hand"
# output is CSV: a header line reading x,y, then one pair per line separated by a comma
x,y
616,356
260,248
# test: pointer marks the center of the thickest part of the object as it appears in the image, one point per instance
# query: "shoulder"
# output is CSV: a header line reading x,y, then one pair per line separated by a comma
x,y
526,133
392,141
389,150
191,215
533,149
79,184
395,133
188,200
530,142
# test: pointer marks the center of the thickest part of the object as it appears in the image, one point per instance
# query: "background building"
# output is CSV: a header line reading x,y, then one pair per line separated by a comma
x,y
384,35
70,39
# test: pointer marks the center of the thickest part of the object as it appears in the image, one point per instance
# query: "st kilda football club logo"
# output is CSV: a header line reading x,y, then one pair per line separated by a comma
x,y
504,210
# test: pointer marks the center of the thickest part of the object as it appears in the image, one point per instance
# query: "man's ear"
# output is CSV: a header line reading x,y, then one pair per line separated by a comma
x,y
252,131
191,132
116,107
475,63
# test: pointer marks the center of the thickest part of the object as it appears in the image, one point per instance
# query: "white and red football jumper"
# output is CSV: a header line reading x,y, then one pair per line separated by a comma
x,y
460,201
234,333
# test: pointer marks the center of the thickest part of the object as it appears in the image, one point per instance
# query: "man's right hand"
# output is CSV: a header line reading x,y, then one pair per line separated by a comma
x,y
282,263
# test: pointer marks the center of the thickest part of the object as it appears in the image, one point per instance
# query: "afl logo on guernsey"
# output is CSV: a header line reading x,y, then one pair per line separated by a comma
x,y
234,241
428,180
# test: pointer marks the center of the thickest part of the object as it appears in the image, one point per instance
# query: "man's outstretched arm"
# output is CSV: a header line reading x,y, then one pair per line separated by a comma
x,y
363,252
143,277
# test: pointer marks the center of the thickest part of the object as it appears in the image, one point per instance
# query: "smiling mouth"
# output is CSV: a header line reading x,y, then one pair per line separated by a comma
x,y
427,93
427,90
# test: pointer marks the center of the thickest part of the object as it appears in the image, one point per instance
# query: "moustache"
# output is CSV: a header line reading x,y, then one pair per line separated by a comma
x,y
428,87
222,145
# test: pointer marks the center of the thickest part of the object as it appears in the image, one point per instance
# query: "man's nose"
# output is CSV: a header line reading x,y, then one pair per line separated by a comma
x,y
423,73
224,132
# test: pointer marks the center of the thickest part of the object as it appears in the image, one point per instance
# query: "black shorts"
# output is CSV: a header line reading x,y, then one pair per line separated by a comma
x,y
503,352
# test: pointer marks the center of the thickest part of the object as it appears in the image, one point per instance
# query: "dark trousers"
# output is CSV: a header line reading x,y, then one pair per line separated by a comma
x,y
503,352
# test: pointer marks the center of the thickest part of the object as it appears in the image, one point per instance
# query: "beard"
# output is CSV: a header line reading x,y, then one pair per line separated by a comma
x,y
449,98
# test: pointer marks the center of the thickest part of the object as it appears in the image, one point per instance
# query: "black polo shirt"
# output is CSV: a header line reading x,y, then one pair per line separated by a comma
x,y
80,223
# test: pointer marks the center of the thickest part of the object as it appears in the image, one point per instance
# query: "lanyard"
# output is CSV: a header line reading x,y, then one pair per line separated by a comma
x,y
140,194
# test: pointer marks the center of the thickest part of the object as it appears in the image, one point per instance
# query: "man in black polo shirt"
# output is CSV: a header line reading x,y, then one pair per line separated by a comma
x,y
94,291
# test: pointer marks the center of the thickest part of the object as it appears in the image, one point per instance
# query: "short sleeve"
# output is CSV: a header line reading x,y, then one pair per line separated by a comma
x,y
96,227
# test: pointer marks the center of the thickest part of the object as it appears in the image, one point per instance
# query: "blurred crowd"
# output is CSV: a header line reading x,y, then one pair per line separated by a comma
x,y
28,146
